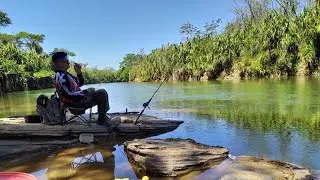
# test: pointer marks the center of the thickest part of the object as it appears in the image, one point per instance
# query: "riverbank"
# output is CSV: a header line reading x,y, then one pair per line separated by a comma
x,y
45,83
228,78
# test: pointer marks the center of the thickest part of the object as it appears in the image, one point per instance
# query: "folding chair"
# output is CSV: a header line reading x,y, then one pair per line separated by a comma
x,y
77,112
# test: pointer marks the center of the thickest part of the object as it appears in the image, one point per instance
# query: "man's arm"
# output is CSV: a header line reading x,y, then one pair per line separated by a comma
x,y
77,69
80,79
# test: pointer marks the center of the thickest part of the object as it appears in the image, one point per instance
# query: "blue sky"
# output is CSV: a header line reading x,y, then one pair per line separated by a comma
x,y
101,32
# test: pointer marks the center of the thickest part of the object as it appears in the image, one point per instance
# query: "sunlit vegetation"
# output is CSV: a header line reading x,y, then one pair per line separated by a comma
x,y
268,38
25,66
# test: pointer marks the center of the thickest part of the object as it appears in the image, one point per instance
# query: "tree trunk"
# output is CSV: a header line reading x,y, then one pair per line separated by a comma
x,y
249,3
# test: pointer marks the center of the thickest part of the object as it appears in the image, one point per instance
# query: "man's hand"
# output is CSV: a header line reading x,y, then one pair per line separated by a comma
x,y
77,68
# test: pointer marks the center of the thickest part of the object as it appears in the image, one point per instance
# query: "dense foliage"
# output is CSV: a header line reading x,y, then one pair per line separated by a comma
x,y
268,38
24,64
125,69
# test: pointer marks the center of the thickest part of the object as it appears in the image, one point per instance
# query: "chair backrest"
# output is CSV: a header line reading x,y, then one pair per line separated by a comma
x,y
59,94
64,102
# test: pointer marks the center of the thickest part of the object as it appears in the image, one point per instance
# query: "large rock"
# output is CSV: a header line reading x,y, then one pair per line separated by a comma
x,y
172,157
205,77
247,167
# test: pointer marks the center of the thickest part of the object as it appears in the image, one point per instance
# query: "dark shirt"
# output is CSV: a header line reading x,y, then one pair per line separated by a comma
x,y
69,85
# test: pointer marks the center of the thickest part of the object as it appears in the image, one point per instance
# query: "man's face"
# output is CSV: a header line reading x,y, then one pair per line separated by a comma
x,y
63,64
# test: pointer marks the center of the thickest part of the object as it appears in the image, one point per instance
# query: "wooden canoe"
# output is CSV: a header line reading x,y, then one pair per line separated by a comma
x,y
147,125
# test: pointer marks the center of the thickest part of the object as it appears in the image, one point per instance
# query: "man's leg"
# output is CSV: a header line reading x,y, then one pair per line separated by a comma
x,y
100,97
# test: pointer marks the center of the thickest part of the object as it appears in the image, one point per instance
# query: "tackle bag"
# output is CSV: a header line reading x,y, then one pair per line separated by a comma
x,y
50,110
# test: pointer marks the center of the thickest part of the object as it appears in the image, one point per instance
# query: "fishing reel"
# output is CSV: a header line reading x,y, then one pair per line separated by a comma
x,y
146,105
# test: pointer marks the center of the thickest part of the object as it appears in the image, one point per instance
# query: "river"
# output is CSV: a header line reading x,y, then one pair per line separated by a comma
x,y
275,119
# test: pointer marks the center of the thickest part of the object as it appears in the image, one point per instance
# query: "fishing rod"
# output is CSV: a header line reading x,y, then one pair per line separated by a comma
x,y
146,104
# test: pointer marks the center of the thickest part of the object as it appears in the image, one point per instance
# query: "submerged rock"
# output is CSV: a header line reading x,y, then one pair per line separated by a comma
x,y
247,167
173,157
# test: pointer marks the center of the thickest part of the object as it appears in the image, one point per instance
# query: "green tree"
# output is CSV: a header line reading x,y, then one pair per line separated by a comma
x,y
211,28
63,50
126,65
4,19
24,65
263,41
30,41
188,31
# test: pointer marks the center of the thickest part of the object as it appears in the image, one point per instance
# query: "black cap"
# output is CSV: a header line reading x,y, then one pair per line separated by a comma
x,y
59,55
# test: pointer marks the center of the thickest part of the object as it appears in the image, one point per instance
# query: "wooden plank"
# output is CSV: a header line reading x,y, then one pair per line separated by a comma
x,y
14,130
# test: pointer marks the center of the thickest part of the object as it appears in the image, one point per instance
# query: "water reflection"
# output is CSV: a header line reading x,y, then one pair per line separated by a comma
x,y
41,174
102,161
91,158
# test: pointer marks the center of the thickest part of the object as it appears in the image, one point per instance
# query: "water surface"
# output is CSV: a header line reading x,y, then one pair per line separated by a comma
x,y
276,119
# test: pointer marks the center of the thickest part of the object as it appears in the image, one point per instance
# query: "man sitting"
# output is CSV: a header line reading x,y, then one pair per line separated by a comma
x,y
72,95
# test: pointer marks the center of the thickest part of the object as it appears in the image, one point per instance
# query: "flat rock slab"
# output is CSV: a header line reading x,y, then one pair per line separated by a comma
x,y
247,167
172,157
